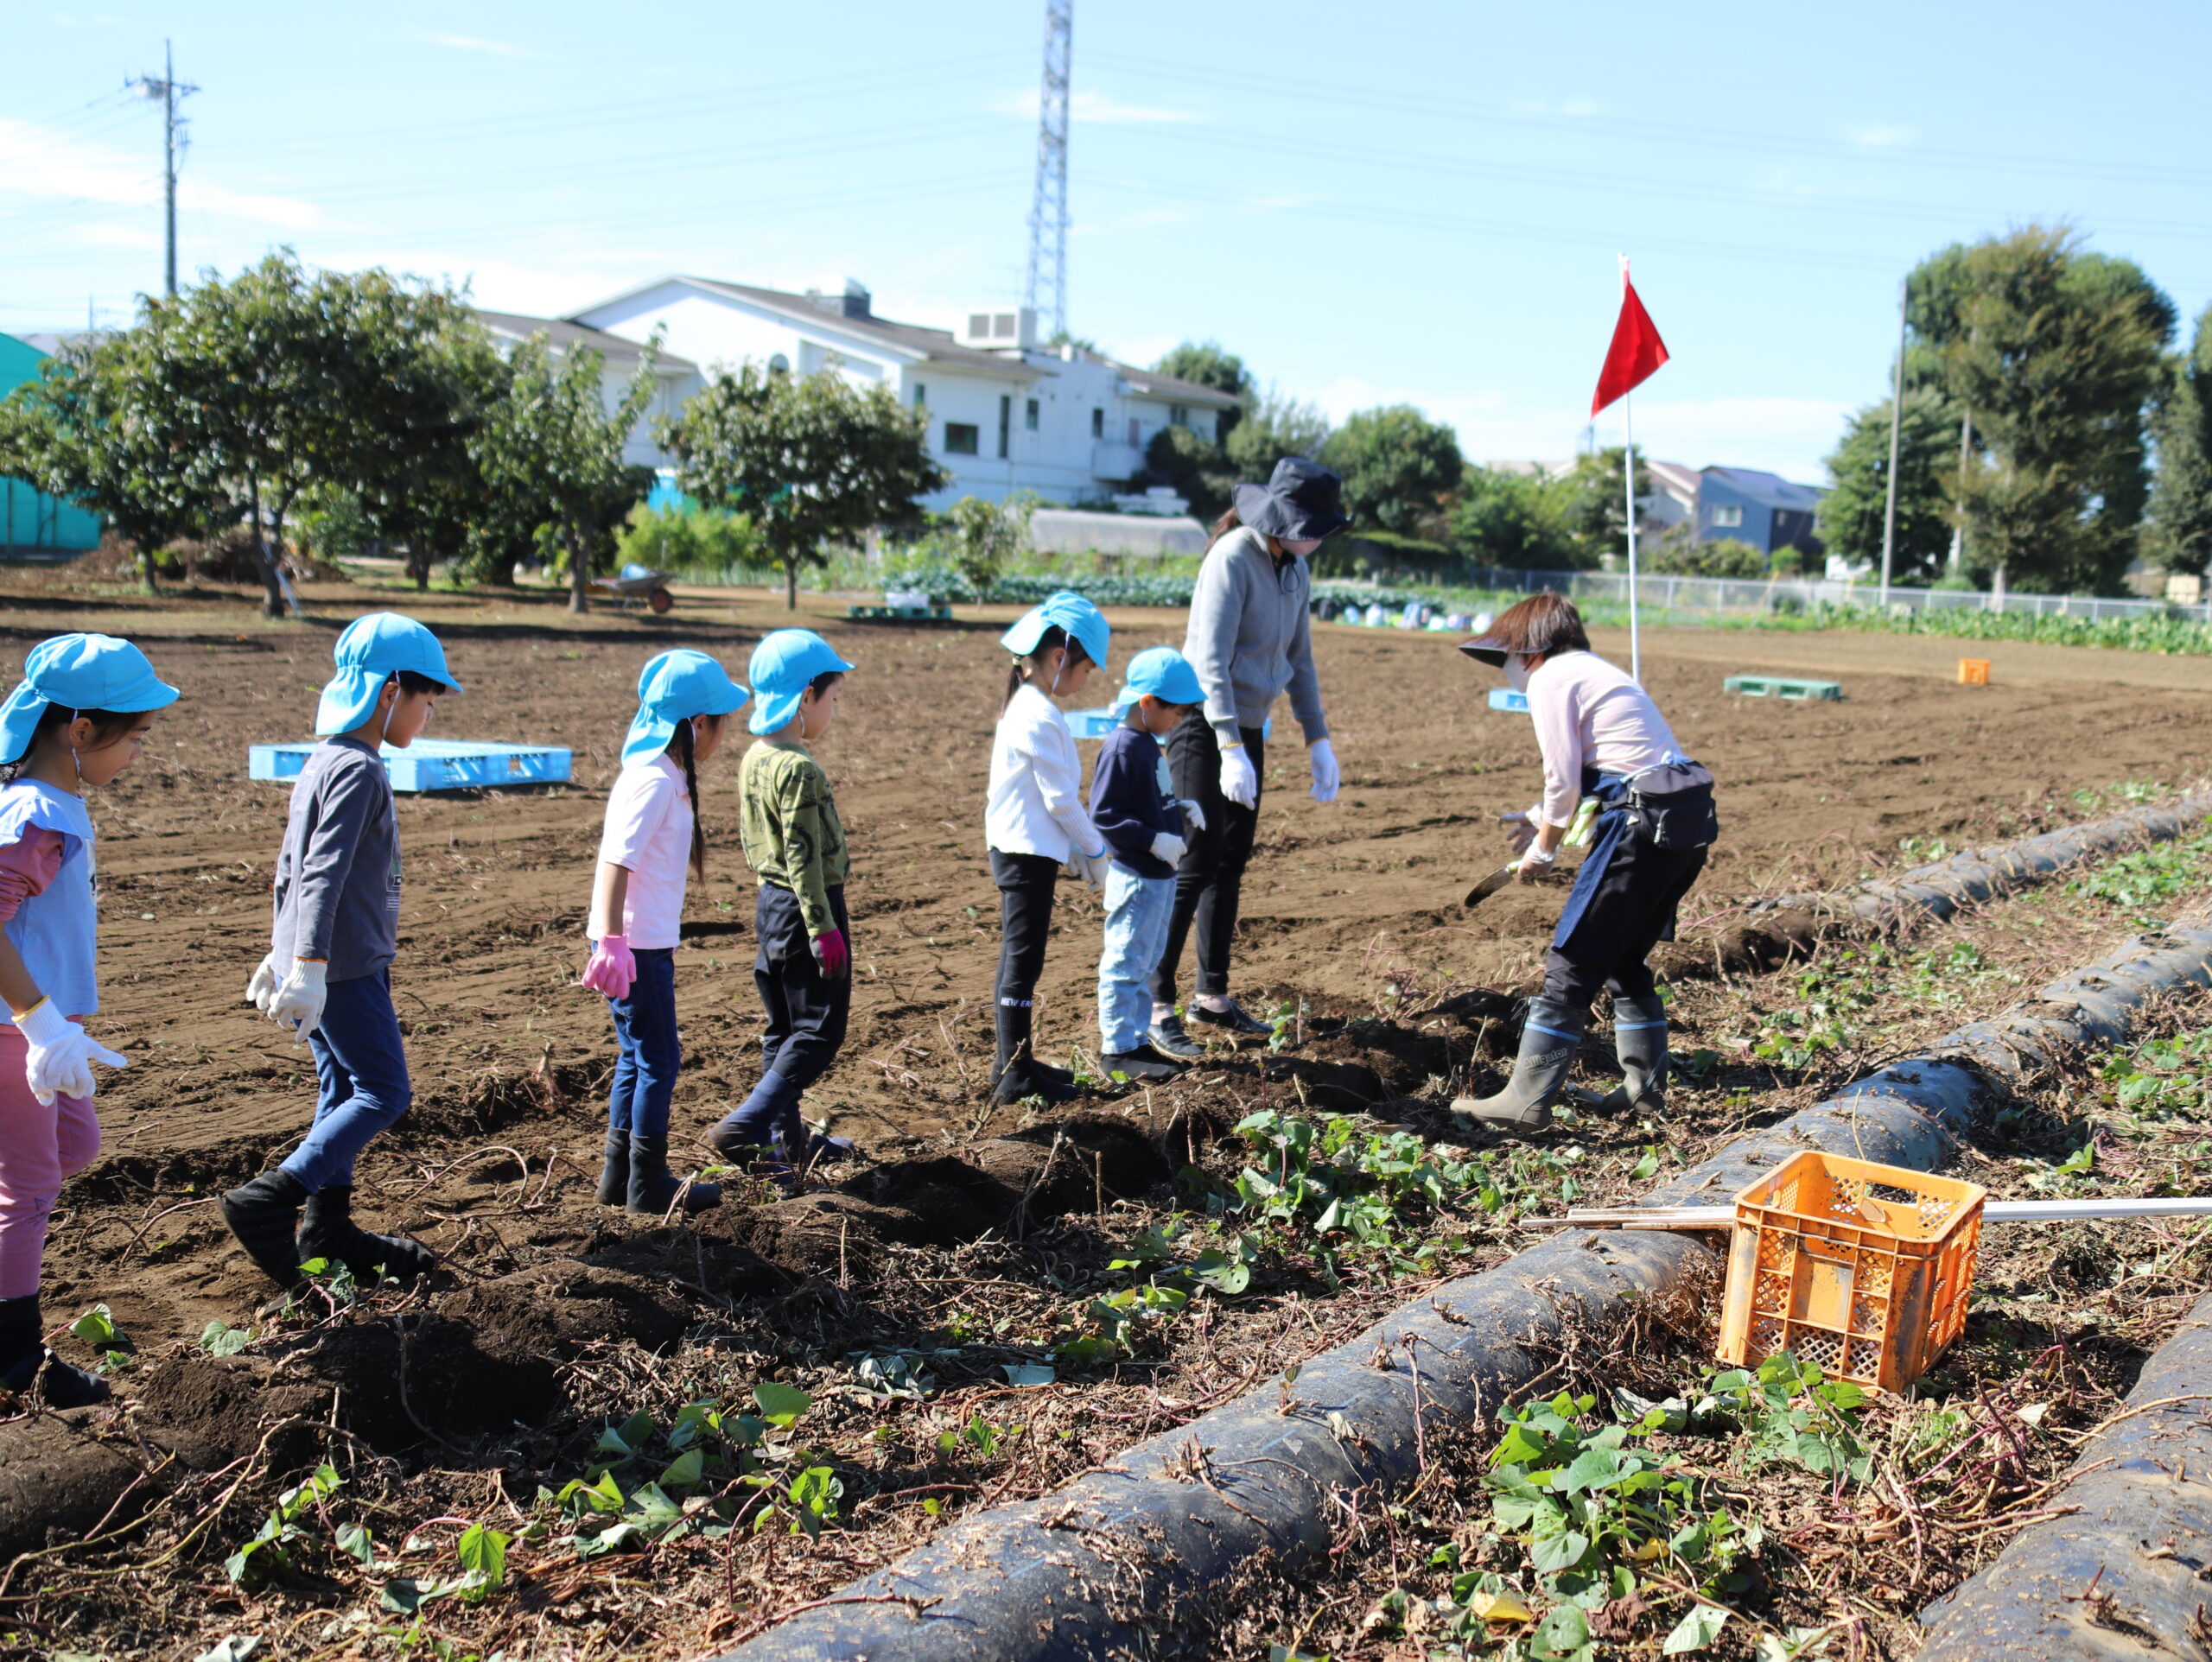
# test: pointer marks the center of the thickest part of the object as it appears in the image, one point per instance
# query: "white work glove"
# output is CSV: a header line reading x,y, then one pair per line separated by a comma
x,y
1240,780
1520,829
297,1004
1323,756
1193,813
59,1054
262,987
1170,848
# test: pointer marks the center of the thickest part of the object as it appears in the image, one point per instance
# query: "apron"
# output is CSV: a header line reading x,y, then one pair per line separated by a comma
x,y
1677,818
1611,825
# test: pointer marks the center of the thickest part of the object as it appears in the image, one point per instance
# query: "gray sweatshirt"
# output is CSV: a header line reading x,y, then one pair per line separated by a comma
x,y
337,888
1250,636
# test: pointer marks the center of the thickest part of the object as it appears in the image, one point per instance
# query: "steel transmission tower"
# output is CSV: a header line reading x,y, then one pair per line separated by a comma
x,y
168,90
1048,206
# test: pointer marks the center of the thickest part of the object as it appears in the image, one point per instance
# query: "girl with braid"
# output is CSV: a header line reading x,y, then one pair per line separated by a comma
x,y
651,844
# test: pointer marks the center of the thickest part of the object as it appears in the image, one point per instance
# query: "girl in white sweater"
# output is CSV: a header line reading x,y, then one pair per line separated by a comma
x,y
1034,820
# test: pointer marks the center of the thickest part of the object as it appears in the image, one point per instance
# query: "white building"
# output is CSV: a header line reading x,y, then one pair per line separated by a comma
x,y
1005,412
676,379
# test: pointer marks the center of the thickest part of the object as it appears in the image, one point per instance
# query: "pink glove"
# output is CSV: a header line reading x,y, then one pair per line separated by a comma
x,y
831,953
612,969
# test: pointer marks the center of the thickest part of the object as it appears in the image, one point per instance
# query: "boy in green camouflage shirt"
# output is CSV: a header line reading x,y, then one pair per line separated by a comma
x,y
796,846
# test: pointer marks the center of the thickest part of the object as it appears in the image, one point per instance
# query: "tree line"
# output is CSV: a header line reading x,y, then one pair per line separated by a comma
x,y
380,406
2047,421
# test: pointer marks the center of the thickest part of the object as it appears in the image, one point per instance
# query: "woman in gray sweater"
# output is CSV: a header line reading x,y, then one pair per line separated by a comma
x,y
1249,638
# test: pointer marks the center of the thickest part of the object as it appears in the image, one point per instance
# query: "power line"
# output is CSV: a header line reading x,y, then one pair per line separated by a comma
x,y
168,90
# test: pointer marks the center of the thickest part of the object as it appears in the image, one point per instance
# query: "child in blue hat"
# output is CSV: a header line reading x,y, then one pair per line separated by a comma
x,y
76,720
795,844
1133,805
1033,821
328,977
651,843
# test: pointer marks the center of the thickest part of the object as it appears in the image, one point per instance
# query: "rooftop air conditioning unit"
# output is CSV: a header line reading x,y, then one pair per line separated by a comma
x,y
1000,331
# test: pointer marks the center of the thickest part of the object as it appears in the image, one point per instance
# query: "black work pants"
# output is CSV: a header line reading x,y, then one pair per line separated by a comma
x,y
1026,884
1210,882
1631,912
807,1010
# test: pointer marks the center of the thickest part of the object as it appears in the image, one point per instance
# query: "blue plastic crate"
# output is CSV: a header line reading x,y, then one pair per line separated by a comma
x,y
1097,724
433,764
1504,698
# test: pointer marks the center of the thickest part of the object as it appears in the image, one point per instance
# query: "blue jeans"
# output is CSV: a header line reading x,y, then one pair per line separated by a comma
x,y
650,1055
361,1069
1137,913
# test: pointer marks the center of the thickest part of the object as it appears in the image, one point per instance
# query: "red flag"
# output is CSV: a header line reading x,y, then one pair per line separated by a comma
x,y
1635,352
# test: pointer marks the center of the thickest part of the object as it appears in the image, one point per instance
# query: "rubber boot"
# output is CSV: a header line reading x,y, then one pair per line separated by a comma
x,y
1640,1043
614,1170
753,1133
327,1232
25,1361
1549,1039
264,1215
1015,1074
653,1187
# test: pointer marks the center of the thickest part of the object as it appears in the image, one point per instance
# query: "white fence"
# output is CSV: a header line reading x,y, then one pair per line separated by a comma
x,y
1722,594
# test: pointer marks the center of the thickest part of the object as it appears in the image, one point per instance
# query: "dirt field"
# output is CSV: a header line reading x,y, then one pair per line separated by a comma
x,y
1349,909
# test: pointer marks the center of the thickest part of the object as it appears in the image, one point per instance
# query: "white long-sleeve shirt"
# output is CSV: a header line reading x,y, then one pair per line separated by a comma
x,y
1589,713
1035,805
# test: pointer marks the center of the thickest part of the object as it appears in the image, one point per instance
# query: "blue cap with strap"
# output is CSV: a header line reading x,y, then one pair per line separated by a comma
x,y
1163,673
1084,623
672,688
80,672
783,663
371,651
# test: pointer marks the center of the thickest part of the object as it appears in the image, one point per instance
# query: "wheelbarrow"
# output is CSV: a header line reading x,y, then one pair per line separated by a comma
x,y
638,583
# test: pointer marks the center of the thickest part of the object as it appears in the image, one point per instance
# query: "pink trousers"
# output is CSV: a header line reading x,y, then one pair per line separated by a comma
x,y
39,1147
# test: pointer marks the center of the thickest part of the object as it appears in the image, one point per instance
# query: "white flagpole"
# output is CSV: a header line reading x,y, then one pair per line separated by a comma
x,y
1628,477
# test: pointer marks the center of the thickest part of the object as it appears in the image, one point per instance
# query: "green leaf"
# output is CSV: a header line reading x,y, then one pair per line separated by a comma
x,y
218,1339
1553,1553
356,1541
1696,1630
624,1441
1564,1632
686,1471
96,1327
781,1404
483,1554
1028,1374
1647,1166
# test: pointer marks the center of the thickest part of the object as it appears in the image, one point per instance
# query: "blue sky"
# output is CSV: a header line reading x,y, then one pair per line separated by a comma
x,y
1399,201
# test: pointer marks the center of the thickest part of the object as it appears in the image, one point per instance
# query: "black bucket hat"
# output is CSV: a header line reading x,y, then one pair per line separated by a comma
x,y
1300,502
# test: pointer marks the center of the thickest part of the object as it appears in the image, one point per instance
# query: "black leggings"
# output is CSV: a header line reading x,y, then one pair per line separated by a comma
x,y
1210,882
1631,912
1025,883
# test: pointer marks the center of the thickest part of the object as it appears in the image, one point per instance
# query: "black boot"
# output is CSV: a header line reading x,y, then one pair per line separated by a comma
x,y
22,1351
328,1231
614,1172
1640,1044
1549,1039
264,1214
1015,1075
653,1187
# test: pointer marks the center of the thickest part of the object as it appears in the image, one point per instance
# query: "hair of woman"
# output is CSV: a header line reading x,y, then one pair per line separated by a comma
x,y
1542,622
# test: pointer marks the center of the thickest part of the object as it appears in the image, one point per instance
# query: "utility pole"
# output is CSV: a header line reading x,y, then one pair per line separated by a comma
x,y
1048,204
1896,428
168,90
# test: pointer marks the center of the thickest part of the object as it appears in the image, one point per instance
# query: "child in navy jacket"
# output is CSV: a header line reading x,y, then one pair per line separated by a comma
x,y
1143,825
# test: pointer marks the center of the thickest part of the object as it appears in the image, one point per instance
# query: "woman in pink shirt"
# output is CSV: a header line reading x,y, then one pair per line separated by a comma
x,y
1601,736
651,844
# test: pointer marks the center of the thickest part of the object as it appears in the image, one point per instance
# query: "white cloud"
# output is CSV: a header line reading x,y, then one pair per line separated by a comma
x,y
473,43
1880,135
1096,108
35,161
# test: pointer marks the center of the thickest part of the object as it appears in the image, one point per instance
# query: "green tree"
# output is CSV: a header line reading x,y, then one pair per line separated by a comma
x,y
1513,520
987,534
811,459
1592,507
1274,425
1196,469
1850,514
1206,363
94,428
1398,468
552,441
1682,554
2180,530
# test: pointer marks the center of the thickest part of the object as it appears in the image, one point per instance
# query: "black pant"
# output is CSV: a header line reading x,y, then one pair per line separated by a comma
x,y
1631,912
807,1010
1025,883
1210,880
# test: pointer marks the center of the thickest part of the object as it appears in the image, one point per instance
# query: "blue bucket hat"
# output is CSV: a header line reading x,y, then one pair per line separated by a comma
x,y
674,686
1163,673
79,672
1084,622
370,652
782,664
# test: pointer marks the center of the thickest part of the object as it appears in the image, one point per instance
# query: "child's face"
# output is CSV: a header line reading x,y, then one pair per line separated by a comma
x,y
816,710
1160,719
411,714
96,767
1063,674
706,733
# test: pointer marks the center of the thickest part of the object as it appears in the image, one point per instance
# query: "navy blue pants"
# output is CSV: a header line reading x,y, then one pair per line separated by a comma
x,y
360,1068
649,1056
807,1014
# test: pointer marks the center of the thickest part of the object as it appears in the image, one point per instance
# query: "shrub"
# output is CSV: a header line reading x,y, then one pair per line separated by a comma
x,y
689,539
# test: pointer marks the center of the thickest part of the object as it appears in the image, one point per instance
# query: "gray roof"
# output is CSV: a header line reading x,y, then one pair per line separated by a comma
x,y
1154,384
938,345
564,334
1767,490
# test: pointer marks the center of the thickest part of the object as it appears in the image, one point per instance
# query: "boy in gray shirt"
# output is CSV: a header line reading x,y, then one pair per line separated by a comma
x,y
327,976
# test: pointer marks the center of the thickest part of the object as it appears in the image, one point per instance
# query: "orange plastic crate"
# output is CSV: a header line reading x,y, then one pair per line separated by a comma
x,y
1973,672
1862,1269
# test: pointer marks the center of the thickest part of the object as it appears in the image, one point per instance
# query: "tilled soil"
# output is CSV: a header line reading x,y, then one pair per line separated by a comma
x,y
1352,929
